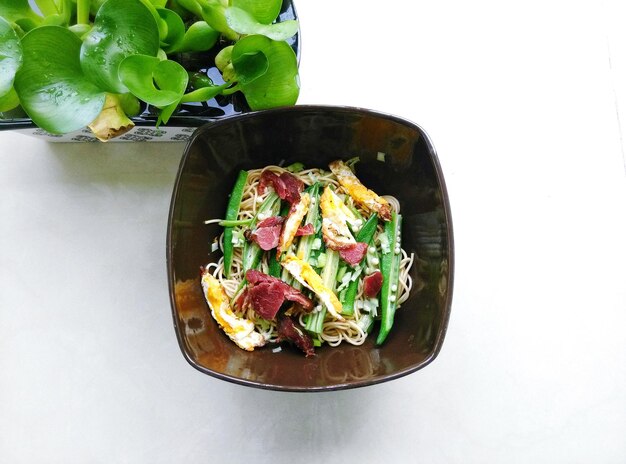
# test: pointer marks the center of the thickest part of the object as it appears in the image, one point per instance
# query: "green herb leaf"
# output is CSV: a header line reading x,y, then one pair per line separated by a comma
x,y
279,85
244,23
121,28
51,85
158,83
264,11
10,56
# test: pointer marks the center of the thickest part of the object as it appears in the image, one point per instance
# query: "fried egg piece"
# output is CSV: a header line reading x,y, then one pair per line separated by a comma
x,y
239,330
335,219
293,223
306,275
359,193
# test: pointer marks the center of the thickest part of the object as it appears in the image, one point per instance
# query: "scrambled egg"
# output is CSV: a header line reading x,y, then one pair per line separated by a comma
x,y
293,223
335,218
306,275
359,193
239,330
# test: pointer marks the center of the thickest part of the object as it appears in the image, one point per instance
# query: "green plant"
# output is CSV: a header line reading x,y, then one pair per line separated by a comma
x,y
76,63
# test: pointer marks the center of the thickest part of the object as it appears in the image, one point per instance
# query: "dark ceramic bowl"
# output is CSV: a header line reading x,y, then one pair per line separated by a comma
x,y
314,136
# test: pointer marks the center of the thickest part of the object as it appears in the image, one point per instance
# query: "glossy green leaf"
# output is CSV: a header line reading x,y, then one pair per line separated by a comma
x,y
10,56
166,113
158,83
214,13
211,11
130,104
14,10
95,6
160,22
224,57
199,37
264,11
191,6
279,85
47,7
9,100
51,85
250,66
26,24
55,20
197,80
244,23
121,28
175,29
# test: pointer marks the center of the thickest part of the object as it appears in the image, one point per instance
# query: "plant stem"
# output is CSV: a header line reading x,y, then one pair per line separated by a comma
x,y
82,11
231,90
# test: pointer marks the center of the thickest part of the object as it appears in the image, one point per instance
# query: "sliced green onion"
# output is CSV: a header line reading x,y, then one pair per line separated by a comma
x,y
232,211
365,235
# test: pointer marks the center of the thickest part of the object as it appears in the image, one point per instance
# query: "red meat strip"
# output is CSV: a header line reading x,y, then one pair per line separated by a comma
x,y
306,229
267,294
266,299
287,186
267,232
372,284
293,187
289,331
271,221
353,254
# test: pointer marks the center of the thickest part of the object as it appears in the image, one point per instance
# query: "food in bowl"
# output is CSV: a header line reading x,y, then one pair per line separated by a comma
x,y
309,256
396,157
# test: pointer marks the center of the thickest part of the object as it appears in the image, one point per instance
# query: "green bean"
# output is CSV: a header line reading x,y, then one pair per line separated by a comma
x,y
235,223
232,211
390,267
366,235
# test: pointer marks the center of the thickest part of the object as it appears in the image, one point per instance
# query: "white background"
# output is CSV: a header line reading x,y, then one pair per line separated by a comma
x,y
523,102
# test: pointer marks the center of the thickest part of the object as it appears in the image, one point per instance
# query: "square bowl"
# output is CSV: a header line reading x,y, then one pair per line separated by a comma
x,y
396,158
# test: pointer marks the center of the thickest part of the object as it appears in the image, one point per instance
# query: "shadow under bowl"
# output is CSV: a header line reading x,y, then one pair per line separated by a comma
x,y
313,135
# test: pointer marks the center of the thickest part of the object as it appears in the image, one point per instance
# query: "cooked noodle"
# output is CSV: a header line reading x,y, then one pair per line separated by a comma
x,y
334,331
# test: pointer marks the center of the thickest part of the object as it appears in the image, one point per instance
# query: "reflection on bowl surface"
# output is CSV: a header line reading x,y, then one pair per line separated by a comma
x,y
313,135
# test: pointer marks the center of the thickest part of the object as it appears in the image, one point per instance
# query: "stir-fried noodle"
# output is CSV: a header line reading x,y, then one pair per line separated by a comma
x,y
334,331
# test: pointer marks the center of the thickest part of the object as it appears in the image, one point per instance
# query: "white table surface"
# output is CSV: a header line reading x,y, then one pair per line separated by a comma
x,y
526,105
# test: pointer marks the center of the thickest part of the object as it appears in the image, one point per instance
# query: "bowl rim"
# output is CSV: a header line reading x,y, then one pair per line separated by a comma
x,y
449,231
